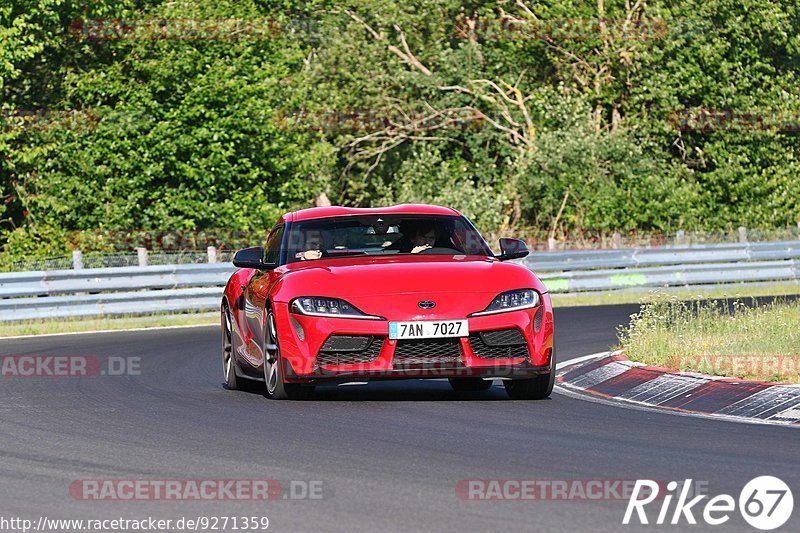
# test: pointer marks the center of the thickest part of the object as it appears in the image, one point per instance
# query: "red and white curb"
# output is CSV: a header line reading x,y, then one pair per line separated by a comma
x,y
613,376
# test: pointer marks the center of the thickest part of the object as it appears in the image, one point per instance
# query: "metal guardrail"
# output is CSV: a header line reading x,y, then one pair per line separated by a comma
x,y
198,287
667,267
48,283
643,257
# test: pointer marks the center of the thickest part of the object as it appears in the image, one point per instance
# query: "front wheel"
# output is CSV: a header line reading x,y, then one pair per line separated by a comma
x,y
277,388
228,362
537,388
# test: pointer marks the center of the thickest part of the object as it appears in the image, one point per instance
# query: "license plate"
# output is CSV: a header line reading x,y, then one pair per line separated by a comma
x,y
428,329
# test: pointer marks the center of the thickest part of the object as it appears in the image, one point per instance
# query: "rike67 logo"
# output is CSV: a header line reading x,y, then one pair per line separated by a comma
x,y
765,503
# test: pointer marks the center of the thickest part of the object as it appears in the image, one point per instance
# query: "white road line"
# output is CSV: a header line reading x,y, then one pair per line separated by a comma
x,y
599,375
577,360
793,413
662,389
627,404
758,405
93,332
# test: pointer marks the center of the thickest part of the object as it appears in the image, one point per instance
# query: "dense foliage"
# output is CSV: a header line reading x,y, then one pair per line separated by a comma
x,y
559,115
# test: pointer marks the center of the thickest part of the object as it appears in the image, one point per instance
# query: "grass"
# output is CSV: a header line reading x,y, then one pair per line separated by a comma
x,y
757,342
712,292
39,327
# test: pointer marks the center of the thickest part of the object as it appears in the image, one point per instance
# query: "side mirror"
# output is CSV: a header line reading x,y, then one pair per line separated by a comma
x,y
512,249
252,258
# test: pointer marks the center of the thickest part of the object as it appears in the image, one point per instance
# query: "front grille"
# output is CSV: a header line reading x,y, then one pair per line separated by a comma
x,y
349,350
500,344
423,351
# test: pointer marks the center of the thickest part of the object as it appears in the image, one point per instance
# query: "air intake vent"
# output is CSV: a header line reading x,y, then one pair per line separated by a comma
x,y
349,350
346,343
500,344
537,320
502,337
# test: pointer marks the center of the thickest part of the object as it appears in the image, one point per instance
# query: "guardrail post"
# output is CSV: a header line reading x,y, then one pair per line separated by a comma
x,y
212,254
142,254
77,260
551,244
742,234
680,238
616,240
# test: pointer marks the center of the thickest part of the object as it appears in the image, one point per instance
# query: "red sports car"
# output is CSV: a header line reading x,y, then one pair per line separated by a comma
x,y
411,291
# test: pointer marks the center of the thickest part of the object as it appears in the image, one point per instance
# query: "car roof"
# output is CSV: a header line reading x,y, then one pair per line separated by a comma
x,y
337,211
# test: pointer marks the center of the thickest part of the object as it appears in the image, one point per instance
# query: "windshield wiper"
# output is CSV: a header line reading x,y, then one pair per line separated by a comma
x,y
344,253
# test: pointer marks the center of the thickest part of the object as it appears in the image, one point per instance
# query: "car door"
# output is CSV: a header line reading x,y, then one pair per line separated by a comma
x,y
256,296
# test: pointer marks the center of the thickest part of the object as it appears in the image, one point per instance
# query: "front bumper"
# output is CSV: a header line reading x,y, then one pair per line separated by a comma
x,y
323,375
301,338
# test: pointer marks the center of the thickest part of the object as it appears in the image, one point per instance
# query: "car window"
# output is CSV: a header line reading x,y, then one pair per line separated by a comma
x,y
272,251
383,235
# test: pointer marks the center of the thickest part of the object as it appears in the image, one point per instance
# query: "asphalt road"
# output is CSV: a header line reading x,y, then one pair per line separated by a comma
x,y
388,455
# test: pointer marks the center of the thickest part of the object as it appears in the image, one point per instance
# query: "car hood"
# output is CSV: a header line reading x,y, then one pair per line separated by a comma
x,y
370,277
393,286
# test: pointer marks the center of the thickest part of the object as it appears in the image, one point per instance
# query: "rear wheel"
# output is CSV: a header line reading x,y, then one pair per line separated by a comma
x,y
228,363
537,388
469,384
277,388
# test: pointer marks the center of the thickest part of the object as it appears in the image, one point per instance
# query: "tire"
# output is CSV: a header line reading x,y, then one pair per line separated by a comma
x,y
537,388
277,388
469,384
228,360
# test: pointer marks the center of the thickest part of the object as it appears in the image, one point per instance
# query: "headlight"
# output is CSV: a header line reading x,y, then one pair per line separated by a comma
x,y
511,301
330,307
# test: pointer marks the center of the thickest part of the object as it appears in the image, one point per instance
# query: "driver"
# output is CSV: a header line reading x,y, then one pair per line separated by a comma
x,y
418,235
314,247
422,238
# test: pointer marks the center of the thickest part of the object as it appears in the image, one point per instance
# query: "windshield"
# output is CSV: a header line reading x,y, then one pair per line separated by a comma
x,y
383,235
